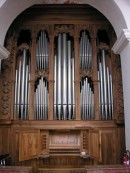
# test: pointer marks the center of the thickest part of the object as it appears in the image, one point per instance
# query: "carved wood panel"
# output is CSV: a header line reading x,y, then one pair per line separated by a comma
x,y
64,139
44,142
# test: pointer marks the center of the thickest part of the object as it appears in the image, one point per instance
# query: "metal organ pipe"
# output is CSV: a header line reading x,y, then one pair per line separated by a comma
x,y
73,88
111,90
26,91
70,89
41,90
101,90
15,94
90,57
105,87
18,90
85,52
64,79
41,102
64,101
86,91
55,87
104,82
109,94
42,51
87,99
21,101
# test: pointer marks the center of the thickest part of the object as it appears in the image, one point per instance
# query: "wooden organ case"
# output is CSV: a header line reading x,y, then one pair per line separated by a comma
x,y
61,89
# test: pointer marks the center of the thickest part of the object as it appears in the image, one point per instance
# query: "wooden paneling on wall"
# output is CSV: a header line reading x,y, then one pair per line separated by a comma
x,y
5,140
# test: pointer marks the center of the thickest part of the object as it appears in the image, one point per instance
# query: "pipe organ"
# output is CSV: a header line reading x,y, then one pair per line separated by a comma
x,y
61,89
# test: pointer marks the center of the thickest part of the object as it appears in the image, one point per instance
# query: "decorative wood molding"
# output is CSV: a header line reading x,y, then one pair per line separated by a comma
x,y
85,72
119,90
121,41
38,28
42,73
23,46
64,28
104,46
4,53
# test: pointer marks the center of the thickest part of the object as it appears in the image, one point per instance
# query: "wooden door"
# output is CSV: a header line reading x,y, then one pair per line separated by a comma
x,y
108,146
102,145
28,144
95,144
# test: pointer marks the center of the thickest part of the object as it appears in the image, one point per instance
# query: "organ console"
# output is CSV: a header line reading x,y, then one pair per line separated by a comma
x,y
61,89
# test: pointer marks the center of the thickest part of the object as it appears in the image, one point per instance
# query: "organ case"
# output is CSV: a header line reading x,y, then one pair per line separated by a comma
x,y
61,83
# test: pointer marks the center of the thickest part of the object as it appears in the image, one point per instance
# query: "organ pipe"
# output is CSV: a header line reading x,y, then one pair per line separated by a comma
x,y
64,92
41,100
18,89
85,52
73,88
64,98
101,90
15,94
42,51
64,103
86,91
87,99
26,91
55,87
105,87
70,89
104,82
21,98
111,90
41,89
